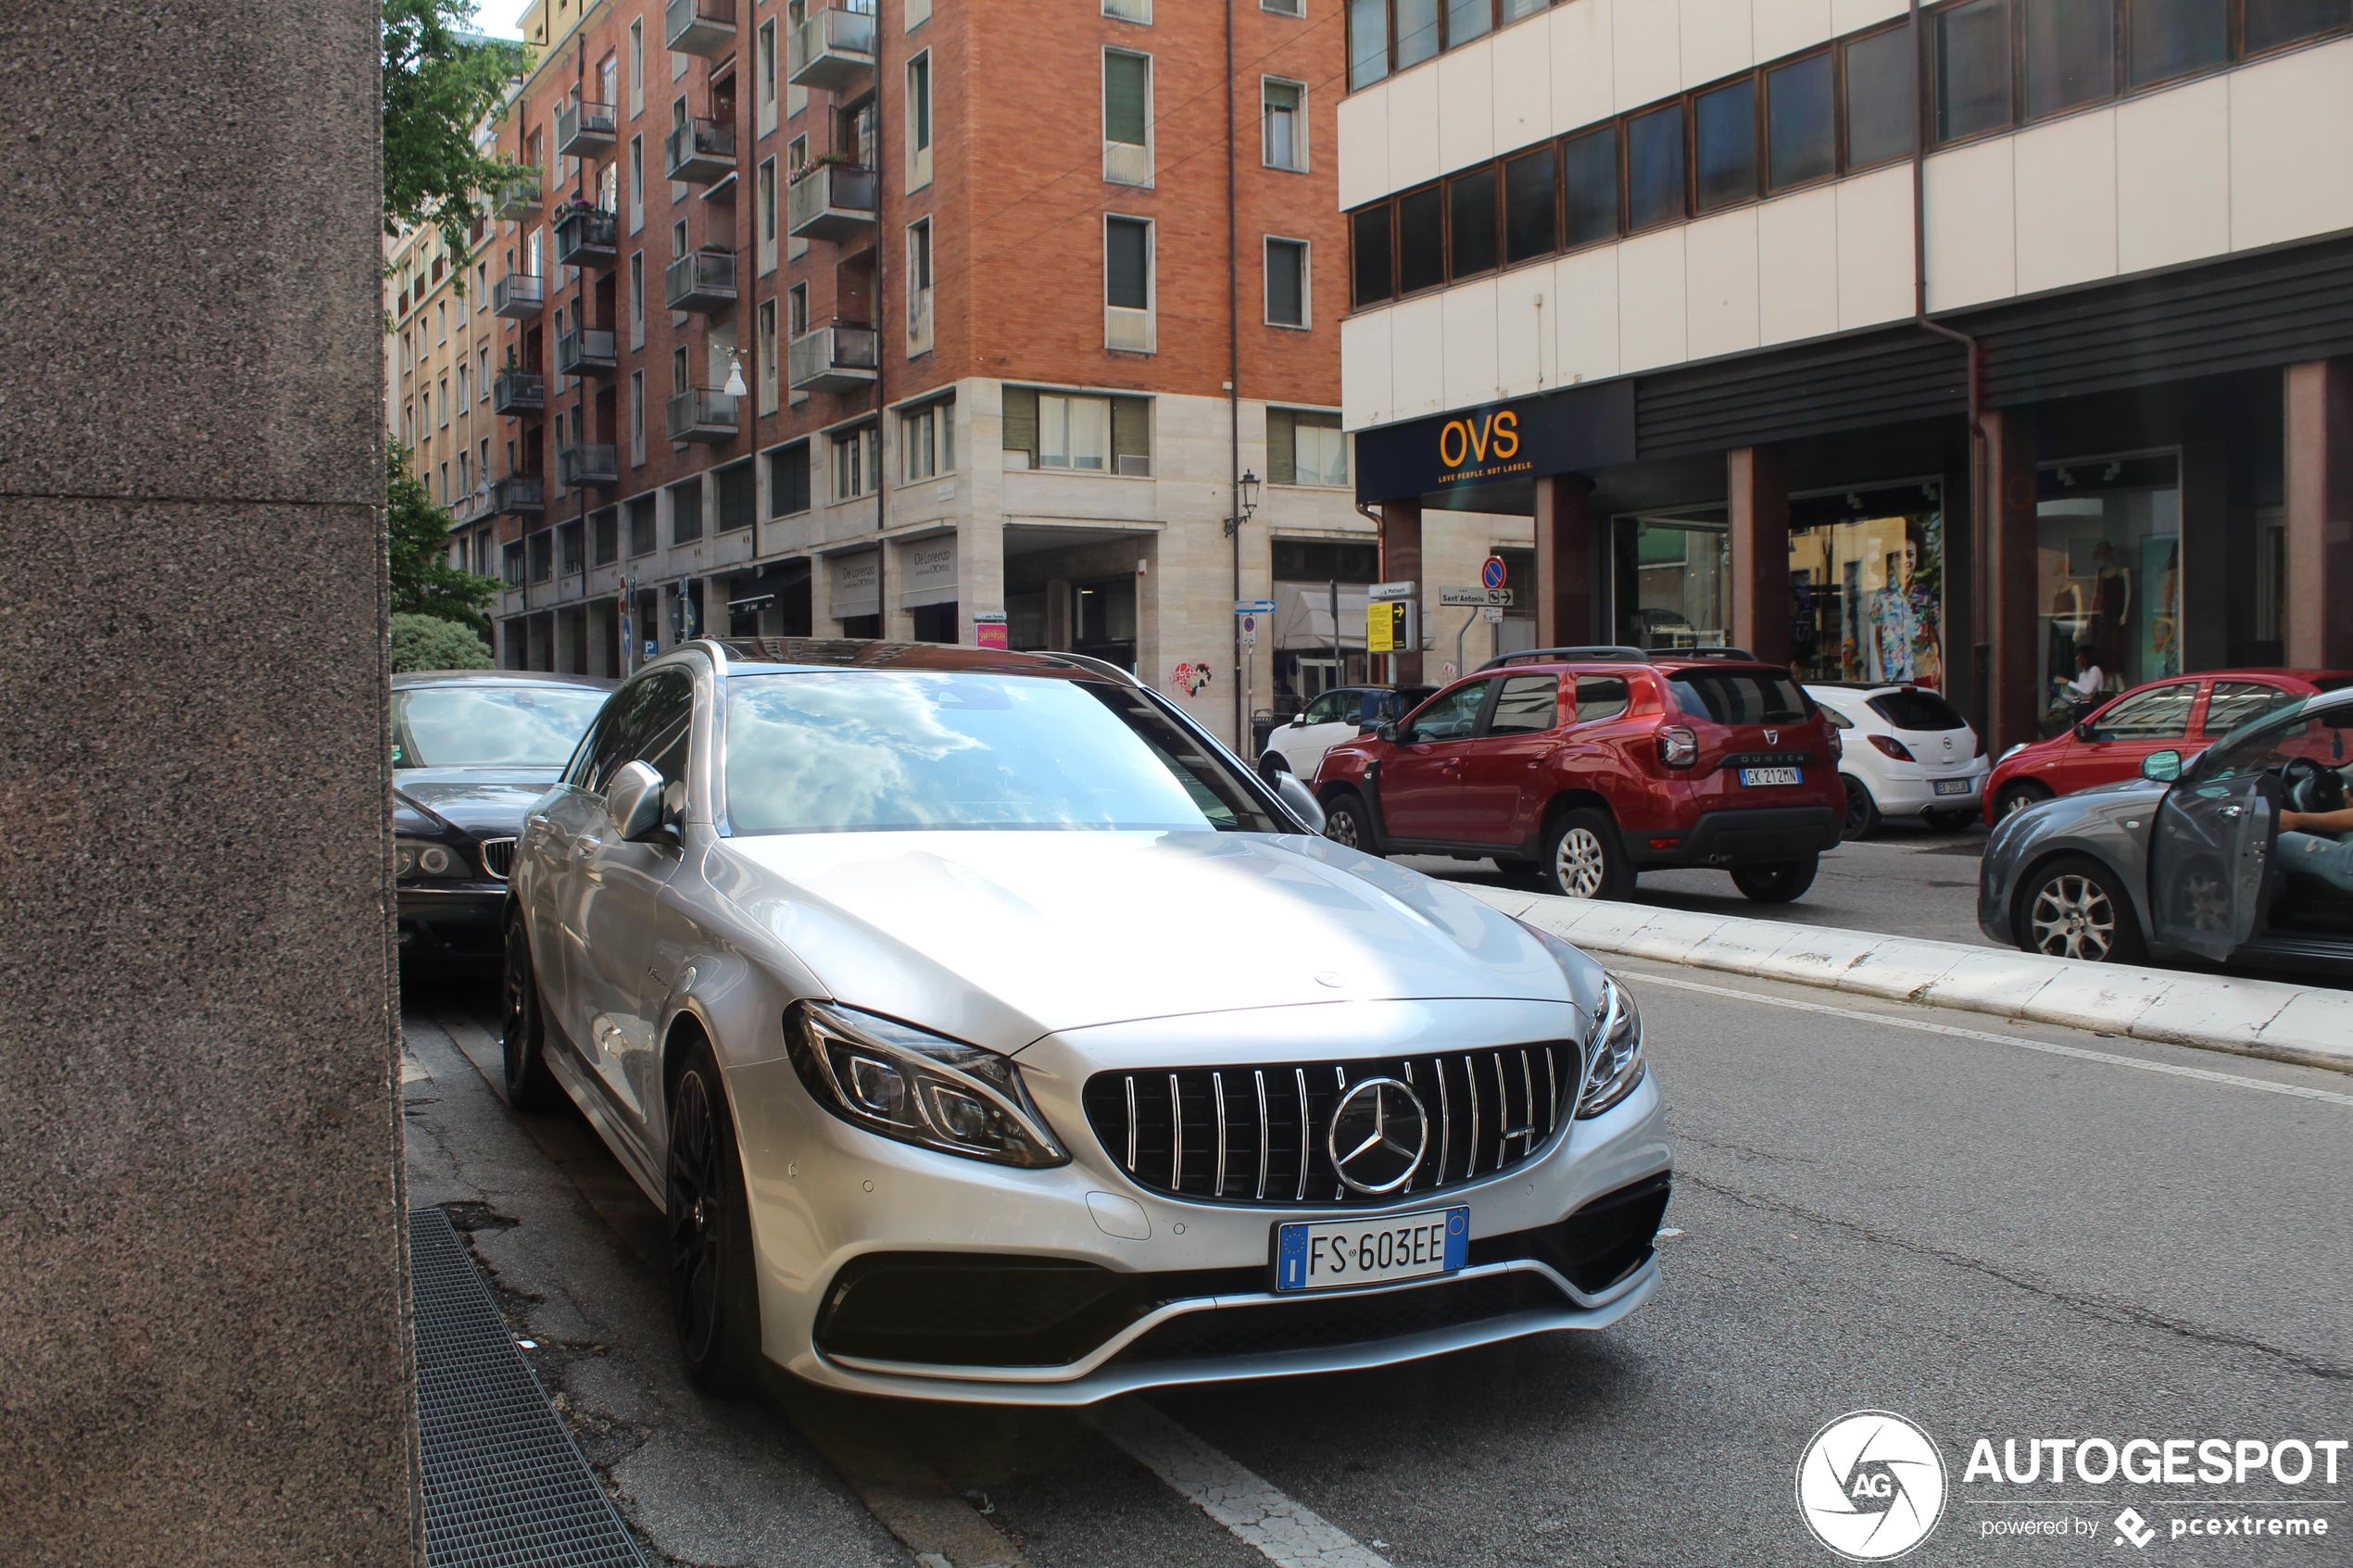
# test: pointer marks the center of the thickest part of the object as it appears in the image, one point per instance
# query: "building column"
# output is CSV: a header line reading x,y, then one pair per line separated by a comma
x,y
1568,576
1400,562
2013,621
1756,482
2317,629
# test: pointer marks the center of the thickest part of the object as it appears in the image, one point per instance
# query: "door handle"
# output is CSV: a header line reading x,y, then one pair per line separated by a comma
x,y
584,847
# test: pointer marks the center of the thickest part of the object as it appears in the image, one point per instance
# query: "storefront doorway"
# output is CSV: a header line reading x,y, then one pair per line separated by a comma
x,y
1103,620
2109,568
1673,580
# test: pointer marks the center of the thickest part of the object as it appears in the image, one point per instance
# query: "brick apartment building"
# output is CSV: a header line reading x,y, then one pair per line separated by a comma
x,y
1006,320
438,359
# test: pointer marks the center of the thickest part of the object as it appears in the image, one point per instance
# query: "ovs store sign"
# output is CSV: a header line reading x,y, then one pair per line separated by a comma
x,y
1480,448
1563,431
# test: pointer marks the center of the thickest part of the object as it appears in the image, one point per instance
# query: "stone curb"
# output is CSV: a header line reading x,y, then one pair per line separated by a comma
x,y
2262,1018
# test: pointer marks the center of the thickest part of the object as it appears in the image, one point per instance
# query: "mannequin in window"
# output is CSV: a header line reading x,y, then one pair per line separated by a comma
x,y
2112,604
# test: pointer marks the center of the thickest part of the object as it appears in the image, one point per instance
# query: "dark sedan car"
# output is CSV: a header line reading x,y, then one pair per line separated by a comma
x,y
471,750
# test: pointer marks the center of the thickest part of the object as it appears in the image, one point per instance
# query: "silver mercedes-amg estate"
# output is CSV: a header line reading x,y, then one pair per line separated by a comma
x,y
985,1031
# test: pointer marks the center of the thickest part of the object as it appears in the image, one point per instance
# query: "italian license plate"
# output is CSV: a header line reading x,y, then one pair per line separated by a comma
x,y
1772,775
1952,786
1328,1254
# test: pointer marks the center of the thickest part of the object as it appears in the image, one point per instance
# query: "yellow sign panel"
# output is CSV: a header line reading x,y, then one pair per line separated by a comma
x,y
1385,626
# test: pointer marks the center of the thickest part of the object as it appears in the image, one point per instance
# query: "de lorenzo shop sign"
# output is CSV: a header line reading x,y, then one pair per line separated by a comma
x,y
1519,439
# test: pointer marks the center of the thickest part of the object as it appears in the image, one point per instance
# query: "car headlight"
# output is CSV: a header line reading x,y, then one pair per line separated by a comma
x,y
1615,1049
919,1087
2013,751
414,857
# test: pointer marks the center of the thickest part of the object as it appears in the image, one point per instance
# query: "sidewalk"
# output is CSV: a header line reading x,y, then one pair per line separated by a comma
x,y
2263,1018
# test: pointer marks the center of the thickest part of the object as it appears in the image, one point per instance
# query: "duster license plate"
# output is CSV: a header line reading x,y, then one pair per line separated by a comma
x,y
1330,1254
1772,775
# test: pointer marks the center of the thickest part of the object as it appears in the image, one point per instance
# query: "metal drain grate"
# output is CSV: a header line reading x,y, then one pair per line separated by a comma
x,y
505,1487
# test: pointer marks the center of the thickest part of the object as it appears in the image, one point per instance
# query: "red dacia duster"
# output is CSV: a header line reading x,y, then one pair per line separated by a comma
x,y
1586,765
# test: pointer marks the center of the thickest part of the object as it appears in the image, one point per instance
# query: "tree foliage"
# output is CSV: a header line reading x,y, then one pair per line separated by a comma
x,y
427,642
423,583
439,80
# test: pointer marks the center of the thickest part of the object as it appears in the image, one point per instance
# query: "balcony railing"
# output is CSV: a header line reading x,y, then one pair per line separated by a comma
x,y
698,27
833,200
518,296
834,49
702,414
701,151
518,391
473,506
586,236
517,197
522,494
591,462
700,280
837,359
584,127
587,352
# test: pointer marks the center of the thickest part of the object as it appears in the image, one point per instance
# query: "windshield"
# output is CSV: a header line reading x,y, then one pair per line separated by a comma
x,y
1738,697
490,726
1916,710
880,751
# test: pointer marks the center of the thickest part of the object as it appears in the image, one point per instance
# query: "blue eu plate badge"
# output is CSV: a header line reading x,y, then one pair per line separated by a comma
x,y
1332,1254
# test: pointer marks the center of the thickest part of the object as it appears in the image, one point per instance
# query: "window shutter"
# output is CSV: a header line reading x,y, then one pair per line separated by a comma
x,y
1130,430
1281,447
1020,422
1127,97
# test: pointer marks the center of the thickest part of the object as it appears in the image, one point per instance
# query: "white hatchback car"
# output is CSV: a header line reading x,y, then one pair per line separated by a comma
x,y
1342,713
1906,752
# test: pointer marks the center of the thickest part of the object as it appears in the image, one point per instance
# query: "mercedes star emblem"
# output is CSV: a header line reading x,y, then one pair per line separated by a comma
x,y
1377,1136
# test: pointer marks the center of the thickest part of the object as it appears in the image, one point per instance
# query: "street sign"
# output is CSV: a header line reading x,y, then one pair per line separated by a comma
x,y
1390,626
1249,631
1254,606
1474,595
1383,593
1494,614
1491,574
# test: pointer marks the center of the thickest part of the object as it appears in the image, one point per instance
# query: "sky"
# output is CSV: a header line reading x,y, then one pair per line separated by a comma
x,y
500,18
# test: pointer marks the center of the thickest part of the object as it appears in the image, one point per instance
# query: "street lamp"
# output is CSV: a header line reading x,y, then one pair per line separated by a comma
x,y
735,387
1247,489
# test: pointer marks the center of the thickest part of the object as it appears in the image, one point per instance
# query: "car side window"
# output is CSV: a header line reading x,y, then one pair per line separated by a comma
x,y
1328,708
2325,738
1528,705
2162,713
608,742
2241,702
1451,717
669,722
588,762
1600,696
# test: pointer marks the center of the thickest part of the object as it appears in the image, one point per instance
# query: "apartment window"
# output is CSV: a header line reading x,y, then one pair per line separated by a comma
x,y
636,184
445,484
608,188
1801,122
1283,106
605,536
481,285
1972,69
533,248
677,239
1287,283
919,102
788,480
441,317
1724,134
482,462
1305,446
685,511
568,548
1880,93
918,13
445,402
1127,284
678,369
462,398
767,77
767,216
637,416
1073,433
1127,98
737,496
543,555
764,351
797,310
511,565
643,539
482,374
927,440
1284,7
1129,10
1368,42
1655,167
465,472
1529,205
2070,54
854,460
796,98
637,67
636,299
1374,278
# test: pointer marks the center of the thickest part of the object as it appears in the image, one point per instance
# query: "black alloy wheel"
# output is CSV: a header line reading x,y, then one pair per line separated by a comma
x,y
2017,798
523,1040
713,1300
1778,883
2075,909
1346,821
1862,811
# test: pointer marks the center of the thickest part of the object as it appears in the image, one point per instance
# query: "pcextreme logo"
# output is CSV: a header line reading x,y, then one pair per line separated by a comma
x,y
1871,1486
1462,440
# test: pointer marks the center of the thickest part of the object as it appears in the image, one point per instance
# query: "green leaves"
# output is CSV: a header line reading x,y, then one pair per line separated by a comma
x,y
423,583
440,79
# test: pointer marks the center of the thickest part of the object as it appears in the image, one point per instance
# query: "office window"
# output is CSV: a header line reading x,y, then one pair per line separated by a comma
x,y
1421,239
1801,122
1127,284
1588,177
854,459
1655,167
1724,127
685,511
1369,249
1073,433
1305,446
2270,23
1467,19
927,440
788,480
1128,10
1972,69
1283,106
2169,38
1127,98
1417,32
637,67
2070,50
764,352
1368,42
1879,97
1527,206
1287,283
1471,216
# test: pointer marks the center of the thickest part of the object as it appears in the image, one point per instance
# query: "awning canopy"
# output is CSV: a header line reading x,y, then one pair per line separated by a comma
x,y
1304,616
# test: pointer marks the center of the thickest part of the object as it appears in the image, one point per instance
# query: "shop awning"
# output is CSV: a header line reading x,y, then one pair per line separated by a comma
x,y
1304,616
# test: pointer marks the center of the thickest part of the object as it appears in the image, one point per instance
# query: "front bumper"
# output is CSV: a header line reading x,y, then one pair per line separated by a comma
x,y
458,924
1758,837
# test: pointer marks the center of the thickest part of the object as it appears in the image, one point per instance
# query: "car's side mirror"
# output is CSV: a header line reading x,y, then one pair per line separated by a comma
x,y
1301,801
1387,732
1299,720
2164,767
1364,729
2084,730
633,802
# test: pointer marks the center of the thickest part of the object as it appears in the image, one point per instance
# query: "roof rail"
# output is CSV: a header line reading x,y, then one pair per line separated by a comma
x,y
1550,656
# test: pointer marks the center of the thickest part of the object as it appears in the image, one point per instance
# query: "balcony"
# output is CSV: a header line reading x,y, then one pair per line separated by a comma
x,y
473,506
834,49
833,359
831,201
517,197
523,494
700,414
701,279
701,151
586,236
518,391
518,296
589,352
589,463
584,127
698,27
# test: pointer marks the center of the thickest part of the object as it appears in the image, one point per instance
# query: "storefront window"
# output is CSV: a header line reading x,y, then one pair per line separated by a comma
x,y
2109,569
1674,581
1867,585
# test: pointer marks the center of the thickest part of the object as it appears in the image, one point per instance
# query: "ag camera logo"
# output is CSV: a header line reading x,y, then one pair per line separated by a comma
x,y
1871,1486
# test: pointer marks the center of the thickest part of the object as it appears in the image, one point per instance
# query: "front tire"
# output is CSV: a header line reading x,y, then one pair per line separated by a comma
x,y
1781,883
2075,909
1347,821
2017,798
523,1040
1862,811
1584,857
715,1301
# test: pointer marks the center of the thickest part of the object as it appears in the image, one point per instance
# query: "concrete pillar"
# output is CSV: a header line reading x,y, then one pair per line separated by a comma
x,y
2013,621
1757,490
203,1335
2319,630
1400,562
1567,569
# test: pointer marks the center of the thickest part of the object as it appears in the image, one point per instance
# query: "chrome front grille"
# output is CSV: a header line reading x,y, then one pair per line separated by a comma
x,y
1257,1134
498,857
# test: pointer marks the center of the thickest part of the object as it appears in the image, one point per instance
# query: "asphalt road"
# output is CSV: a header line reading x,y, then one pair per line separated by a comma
x,y
2099,1238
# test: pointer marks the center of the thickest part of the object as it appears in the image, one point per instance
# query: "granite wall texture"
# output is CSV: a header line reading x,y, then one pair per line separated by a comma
x,y
203,1344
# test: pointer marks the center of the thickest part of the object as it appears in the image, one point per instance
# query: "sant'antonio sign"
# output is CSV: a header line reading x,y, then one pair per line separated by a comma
x,y
1564,431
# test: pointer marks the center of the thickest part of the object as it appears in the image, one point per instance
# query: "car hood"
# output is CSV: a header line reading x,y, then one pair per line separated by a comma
x,y
1003,937
473,800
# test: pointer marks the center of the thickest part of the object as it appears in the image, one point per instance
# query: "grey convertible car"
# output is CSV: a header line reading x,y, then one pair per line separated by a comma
x,y
2189,860
985,1031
